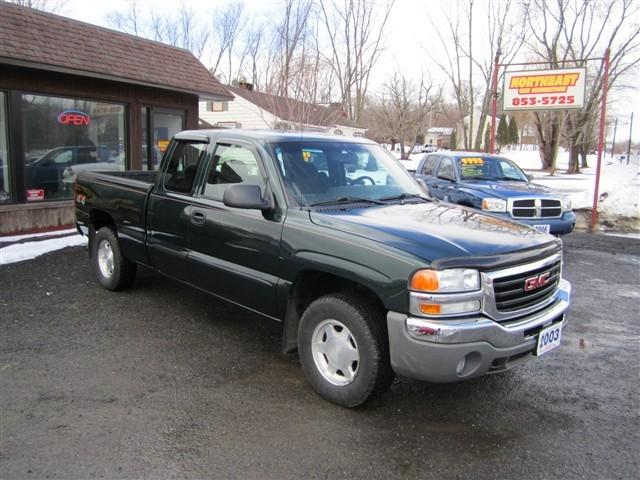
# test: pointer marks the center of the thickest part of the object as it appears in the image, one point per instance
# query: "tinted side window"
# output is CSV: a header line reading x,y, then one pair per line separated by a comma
x,y
183,166
447,170
231,164
430,165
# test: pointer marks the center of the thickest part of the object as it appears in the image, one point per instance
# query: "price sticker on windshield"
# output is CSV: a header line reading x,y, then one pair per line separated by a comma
x,y
472,161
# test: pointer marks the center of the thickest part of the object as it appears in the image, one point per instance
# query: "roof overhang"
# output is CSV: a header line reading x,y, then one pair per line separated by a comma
x,y
101,76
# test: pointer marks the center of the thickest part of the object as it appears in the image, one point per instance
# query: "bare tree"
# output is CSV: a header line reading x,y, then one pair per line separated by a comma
x,y
355,31
566,32
227,26
502,31
403,109
183,30
453,44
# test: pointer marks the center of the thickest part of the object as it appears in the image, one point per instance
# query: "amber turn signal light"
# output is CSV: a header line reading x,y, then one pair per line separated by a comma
x,y
425,281
430,308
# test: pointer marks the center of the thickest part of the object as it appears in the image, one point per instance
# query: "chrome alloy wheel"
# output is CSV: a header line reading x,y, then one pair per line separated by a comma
x,y
335,352
105,259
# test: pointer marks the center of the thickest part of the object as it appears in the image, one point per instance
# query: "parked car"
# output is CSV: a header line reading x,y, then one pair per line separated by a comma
x,y
498,186
55,168
429,148
367,279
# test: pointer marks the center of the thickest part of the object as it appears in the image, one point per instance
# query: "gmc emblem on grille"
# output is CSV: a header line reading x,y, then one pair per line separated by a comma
x,y
538,281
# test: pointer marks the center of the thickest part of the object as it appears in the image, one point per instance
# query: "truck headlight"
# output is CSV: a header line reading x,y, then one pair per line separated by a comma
x,y
442,293
445,281
494,205
566,204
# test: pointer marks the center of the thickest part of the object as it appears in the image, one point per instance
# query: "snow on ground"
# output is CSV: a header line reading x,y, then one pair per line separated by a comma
x,y
19,252
17,238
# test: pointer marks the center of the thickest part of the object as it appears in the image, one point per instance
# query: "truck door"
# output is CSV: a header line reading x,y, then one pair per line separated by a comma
x,y
169,208
234,251
443,185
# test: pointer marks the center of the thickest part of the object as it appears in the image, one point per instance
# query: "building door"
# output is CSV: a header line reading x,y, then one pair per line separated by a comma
x,y
159,125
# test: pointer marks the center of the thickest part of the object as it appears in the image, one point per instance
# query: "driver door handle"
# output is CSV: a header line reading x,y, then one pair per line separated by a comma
x,y
198,217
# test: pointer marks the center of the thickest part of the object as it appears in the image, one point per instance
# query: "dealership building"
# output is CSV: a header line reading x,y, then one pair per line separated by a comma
x,y
77,97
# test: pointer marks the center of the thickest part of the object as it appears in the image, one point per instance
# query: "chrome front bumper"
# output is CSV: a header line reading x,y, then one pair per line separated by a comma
x,y
451,350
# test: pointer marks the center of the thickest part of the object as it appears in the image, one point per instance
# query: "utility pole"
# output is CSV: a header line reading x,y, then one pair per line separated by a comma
x,y
613,144
630,132
494,101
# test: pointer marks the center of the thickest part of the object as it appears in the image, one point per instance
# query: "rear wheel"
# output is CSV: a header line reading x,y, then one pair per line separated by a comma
x,y
113,271
344,350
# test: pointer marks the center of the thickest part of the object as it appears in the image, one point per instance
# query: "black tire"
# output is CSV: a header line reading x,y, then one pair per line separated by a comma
x,y
123,272
366,323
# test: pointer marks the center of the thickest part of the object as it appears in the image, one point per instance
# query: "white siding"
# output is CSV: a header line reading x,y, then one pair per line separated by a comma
x,y
240,111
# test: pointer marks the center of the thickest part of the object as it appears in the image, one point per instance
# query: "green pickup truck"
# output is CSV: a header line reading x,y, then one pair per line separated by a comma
x,y
368,277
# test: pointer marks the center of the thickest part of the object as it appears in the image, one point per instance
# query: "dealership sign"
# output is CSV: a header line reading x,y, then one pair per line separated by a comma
x,y
544,89
73,117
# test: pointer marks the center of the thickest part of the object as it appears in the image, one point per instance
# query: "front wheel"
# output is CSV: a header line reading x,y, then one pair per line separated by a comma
x,y
113,271
344,351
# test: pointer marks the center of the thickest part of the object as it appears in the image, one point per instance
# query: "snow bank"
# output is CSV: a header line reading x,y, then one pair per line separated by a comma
x,y
26,251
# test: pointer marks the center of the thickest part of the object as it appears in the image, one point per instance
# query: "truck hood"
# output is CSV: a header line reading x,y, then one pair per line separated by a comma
x,y
432,231
505,189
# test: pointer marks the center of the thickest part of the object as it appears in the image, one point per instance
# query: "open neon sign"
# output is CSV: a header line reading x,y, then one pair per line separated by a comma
x,y
73,117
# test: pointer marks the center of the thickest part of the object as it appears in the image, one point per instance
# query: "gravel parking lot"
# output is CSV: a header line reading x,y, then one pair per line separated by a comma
x,y
164,381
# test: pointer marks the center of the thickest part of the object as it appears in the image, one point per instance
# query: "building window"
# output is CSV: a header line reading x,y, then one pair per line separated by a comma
x,y
228,125
5,178
213,106
64,136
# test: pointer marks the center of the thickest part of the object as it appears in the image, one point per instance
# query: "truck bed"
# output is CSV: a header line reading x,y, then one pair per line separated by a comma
x,y
128,178
123,197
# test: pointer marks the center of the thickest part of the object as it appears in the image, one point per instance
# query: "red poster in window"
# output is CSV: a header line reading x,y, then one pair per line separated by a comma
x,y
35,195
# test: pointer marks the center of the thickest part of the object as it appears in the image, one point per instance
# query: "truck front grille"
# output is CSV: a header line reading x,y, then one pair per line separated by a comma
x,y
510,293
536,208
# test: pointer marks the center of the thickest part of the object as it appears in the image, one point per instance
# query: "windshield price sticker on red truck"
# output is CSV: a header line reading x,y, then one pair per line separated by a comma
x,y
560,89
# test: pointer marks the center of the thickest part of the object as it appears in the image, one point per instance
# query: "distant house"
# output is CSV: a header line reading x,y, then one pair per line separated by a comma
x,y
439,137
258,110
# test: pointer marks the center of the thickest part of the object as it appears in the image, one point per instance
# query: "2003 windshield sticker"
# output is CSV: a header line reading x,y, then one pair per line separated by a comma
x,y
544,89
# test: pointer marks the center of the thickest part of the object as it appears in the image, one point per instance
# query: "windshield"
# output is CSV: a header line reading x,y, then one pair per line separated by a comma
x,y
327,172
489,168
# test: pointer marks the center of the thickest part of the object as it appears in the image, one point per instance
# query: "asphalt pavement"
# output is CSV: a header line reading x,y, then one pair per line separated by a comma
x,y
162,381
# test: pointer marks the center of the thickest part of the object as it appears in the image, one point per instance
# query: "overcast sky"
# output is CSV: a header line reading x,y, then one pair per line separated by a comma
x,y
409,34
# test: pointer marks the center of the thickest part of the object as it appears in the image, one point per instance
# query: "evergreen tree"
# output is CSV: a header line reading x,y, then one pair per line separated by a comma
x,y
502,137
487,137
453,140
514,137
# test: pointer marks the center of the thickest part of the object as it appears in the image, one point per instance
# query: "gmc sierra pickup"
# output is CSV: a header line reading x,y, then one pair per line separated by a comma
x,y
368,278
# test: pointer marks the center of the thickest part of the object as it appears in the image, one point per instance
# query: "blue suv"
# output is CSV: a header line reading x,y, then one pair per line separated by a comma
x,y
497,185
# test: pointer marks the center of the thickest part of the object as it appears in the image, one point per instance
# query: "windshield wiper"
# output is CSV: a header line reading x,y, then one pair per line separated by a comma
x,y
405,196
341,200
507,178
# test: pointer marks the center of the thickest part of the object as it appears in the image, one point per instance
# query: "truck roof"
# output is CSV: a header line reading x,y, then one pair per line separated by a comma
x,y
267,136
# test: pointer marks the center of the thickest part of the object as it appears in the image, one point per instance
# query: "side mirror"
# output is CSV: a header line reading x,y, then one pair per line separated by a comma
x,y
530,177
245,196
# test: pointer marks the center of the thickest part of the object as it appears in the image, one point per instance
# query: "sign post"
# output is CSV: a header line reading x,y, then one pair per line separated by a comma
x,y
603,114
